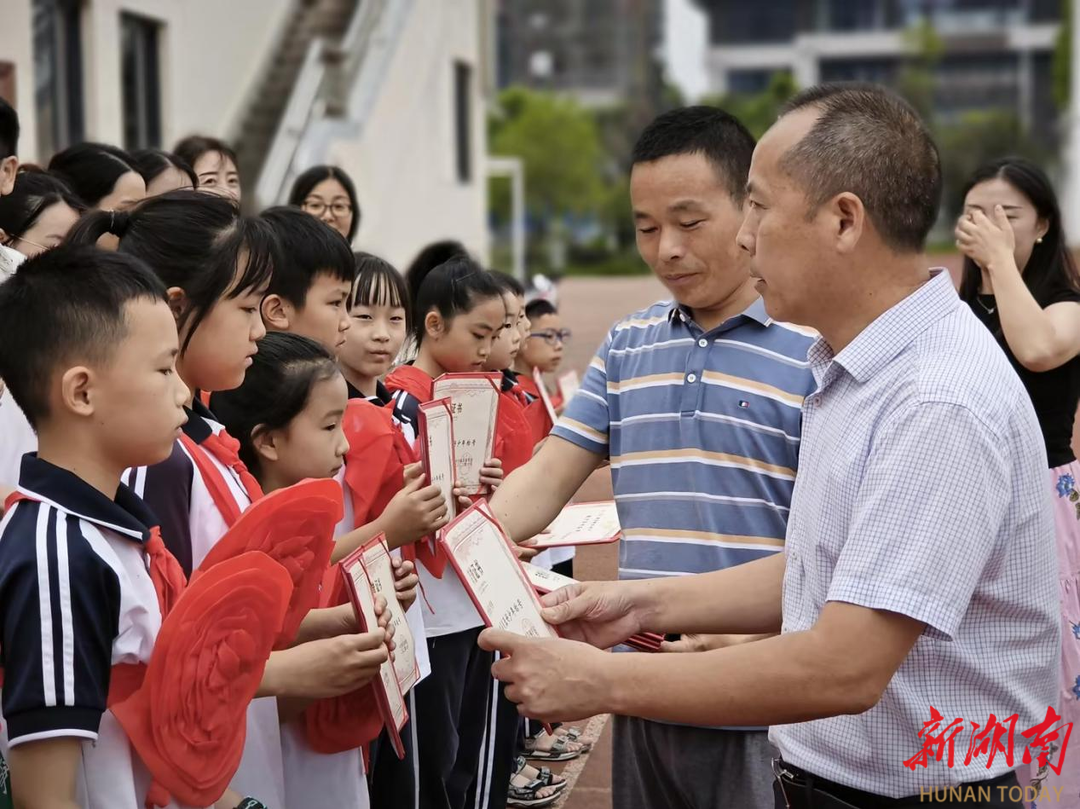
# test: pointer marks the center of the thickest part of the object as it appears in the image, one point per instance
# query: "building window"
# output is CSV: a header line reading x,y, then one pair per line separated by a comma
x,y
140,78
463,120
58,91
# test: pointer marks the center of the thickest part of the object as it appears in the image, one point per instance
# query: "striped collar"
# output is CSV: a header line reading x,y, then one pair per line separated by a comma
x,y
127,514
755,311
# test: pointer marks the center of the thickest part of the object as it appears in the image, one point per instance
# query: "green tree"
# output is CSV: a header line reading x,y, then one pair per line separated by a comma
x,y
758,111
559,145
1062,64
918,76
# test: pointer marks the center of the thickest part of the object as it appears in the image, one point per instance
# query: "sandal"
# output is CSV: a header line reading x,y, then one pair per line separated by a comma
x,y
542,774
574,734
558,750
528,793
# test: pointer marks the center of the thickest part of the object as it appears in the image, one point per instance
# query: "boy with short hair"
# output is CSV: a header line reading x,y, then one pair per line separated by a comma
x,y
87,348
9,147
309,292
541,348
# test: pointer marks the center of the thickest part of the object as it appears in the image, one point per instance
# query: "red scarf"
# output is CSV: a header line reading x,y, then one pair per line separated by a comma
x,y
226,450
535,412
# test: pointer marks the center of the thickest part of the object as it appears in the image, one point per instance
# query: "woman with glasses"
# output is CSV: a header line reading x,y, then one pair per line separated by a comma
x,y
38,213
327,193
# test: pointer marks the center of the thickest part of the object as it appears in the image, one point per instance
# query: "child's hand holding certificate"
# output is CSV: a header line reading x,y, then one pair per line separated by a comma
x,y
474,403
492,575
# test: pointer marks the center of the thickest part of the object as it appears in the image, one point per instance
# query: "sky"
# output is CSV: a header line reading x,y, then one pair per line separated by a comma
x,y
685,45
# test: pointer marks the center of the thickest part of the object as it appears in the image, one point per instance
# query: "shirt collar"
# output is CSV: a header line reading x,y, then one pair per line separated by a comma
x,y
755,311
893,331
197,427
127,514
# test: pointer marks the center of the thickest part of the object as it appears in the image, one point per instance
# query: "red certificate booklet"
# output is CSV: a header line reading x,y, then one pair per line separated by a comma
x,y
387,690
568,385
484,559
375,558
437,448
474,401
581,524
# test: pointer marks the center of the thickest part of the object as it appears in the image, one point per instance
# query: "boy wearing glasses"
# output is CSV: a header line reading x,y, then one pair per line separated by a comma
x,y
541,349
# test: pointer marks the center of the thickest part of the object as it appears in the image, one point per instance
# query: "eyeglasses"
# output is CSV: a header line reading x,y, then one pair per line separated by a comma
x,y
318,208
553,337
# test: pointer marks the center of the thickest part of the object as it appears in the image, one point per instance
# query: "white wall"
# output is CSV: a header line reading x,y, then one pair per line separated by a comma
x,y
211,54
403,161
16,46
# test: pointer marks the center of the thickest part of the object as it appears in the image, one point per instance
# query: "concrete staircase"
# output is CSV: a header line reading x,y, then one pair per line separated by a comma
x,y
308,20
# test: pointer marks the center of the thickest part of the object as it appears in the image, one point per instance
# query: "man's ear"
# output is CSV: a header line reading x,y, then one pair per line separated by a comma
x,y
77,391
265,443
850,219
4,238
277,313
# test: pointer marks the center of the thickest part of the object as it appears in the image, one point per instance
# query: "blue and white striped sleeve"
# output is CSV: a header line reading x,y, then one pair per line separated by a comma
x,y
586,421
59,612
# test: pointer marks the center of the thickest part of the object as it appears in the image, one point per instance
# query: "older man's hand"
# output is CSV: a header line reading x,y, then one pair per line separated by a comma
x,y
552,680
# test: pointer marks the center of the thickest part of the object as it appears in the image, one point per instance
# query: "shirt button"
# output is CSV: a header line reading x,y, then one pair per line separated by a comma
x,y
703,343
691,378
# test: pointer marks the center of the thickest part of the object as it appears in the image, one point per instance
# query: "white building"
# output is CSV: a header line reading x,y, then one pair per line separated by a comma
x,y
393,91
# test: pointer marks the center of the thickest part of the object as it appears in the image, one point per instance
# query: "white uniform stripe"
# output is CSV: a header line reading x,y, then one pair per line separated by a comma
x,y
48,666
415,748
67,637
489,744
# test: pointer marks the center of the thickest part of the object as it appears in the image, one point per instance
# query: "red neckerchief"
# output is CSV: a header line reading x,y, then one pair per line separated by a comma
x,y
168,579
225,449
411,380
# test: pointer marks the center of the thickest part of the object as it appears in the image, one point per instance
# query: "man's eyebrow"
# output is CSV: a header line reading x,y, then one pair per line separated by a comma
x,y
685,205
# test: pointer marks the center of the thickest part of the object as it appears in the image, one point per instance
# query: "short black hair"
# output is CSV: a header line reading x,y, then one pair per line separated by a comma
x,y
309,247
9,130
275,390
152,162
870,142
91,169
508,283
378,283
34,192
193,240
191,148
65,305
541,307
303,185
709,131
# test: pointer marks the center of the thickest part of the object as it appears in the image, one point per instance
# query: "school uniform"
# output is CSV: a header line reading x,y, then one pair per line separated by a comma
x,y
470,729
76,599
373,474
198,493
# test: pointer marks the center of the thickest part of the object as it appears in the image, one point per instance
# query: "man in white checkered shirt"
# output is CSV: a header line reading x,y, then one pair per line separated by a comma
x,y
919,572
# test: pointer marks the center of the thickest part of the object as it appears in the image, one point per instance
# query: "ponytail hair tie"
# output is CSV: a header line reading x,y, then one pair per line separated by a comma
x,y
118,223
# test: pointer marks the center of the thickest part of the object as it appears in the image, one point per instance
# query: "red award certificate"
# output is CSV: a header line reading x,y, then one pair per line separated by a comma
x,y
437,448
581,524
386,688
545,397
380,572
474,401
489,569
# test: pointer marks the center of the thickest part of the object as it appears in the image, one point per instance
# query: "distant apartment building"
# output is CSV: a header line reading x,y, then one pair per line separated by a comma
x,y
997,54
393,91
601,52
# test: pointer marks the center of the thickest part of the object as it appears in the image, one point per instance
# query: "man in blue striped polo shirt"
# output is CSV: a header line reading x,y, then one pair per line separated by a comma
x,y
696,401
